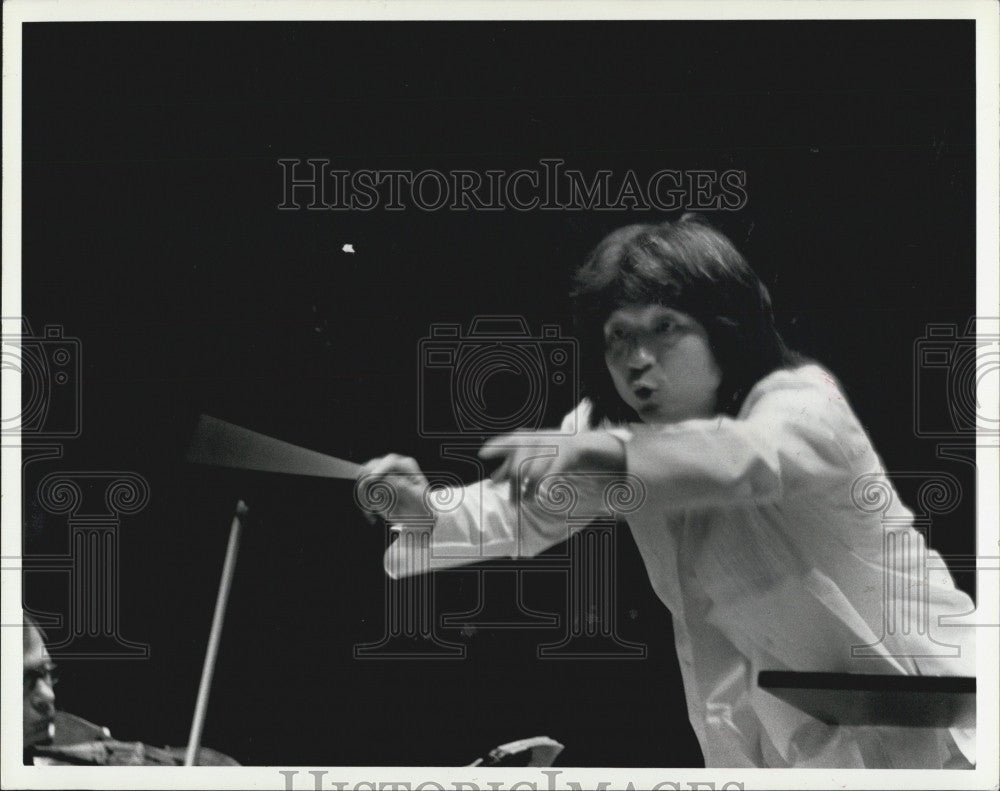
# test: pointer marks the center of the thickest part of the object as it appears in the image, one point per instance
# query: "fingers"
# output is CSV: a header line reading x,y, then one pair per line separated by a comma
x,y
502,472
528,459
525,458
493,449
532,472
525,467
520,470
505,447
407,474
513,464
502,444
391,463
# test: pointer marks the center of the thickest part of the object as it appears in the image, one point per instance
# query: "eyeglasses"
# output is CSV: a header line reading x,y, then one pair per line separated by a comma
x,y
33,675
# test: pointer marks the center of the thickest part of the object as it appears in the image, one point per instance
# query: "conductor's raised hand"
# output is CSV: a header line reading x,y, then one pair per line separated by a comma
x,y
526,458
391,484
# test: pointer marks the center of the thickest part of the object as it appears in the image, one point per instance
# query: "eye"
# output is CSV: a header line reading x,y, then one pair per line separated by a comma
x,y
33,676
665,326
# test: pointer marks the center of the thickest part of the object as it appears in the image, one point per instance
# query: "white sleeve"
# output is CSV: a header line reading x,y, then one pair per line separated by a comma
x,y
484,521
795,431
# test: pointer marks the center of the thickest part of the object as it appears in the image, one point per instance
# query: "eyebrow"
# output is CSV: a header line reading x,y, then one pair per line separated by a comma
x,y
662,312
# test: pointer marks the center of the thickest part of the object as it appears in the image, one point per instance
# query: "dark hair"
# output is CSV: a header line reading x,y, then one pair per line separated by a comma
x,y
690,266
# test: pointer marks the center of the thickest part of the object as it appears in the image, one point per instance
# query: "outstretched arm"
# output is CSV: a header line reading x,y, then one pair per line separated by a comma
x,y
502,517
796,433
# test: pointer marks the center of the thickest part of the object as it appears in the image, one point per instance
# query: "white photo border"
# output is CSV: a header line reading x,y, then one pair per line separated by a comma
x,y
985,14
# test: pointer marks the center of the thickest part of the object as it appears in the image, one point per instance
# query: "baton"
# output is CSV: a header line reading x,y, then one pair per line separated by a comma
x,y
215,635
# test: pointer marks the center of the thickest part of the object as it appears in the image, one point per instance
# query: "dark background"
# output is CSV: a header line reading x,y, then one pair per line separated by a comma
x,y
151,234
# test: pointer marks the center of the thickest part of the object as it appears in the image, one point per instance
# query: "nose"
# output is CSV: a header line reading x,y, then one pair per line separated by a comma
x,y
640,358
44,697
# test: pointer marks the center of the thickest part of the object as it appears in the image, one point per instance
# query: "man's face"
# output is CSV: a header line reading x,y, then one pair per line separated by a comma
x,y
661,363
39,697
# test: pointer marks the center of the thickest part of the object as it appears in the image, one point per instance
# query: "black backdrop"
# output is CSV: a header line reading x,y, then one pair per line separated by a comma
x,y
151,233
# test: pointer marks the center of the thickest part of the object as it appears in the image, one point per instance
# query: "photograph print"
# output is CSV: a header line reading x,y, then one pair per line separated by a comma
x,y
523,396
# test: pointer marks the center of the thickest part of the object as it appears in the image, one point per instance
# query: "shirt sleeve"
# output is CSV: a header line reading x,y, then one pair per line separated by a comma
x,y
795,431
484,521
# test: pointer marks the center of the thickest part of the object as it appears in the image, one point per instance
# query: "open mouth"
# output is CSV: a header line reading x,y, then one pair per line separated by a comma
x,y
643,393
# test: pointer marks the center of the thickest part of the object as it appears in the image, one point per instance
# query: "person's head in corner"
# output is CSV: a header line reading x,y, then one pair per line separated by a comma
x,y
39,683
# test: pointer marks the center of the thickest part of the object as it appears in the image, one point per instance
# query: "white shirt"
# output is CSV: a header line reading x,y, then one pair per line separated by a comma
x,y
764,535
